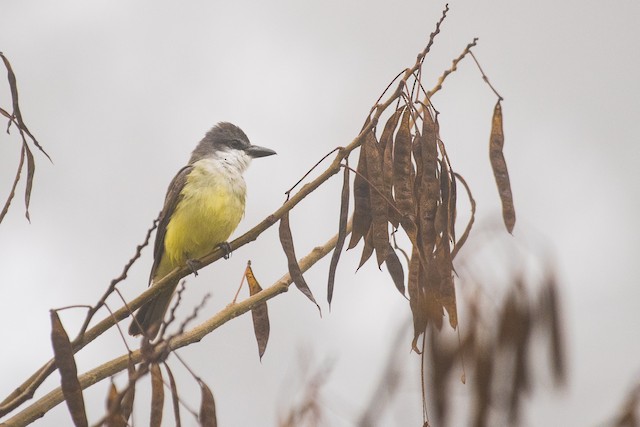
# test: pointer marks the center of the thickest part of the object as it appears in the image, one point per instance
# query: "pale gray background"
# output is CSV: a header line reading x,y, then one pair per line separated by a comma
x,y
119,93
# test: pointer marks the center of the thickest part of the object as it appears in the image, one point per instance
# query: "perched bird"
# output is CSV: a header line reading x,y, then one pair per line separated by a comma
x,y
203,206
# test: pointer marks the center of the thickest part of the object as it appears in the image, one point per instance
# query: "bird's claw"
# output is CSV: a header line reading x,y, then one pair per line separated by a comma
x,y
226,248
193,265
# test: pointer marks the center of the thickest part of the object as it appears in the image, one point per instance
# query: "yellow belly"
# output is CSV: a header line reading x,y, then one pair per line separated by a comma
x,y
209,211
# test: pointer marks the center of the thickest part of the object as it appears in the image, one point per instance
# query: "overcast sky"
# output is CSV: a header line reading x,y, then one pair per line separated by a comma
x,y
120,92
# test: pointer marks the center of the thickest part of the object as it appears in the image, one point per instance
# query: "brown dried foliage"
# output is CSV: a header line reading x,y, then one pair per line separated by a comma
x,y
424,201
63,353
15,118
497,345
157,395
207,415
286,240
259,313
403,180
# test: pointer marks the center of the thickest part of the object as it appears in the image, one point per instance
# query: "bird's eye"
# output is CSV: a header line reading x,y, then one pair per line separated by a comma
x,y
236,144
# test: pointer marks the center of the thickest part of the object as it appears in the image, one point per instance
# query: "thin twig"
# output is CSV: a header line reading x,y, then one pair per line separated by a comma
x,y
485,78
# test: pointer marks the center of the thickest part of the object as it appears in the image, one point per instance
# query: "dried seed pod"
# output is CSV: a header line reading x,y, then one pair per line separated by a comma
x,y
386,143
379,206
259,313
429,196
403,172
207,415
175,399
361,202
499,165
157,395
416,299
286,240
394,267
66,364
342,234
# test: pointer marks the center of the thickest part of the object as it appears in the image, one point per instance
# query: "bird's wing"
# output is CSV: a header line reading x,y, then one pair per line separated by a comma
x,y
171,200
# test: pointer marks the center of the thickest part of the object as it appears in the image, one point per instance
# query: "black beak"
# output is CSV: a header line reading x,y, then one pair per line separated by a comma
x,y
256,151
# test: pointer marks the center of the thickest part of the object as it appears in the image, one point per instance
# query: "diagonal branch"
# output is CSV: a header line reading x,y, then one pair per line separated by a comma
x,y
112,367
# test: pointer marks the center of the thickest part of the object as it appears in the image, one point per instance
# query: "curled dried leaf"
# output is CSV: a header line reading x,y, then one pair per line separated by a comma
x,y
66,364
342,234
286,240
499,166
259,313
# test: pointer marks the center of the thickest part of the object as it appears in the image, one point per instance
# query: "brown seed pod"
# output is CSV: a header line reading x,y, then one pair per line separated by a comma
x,y
500,172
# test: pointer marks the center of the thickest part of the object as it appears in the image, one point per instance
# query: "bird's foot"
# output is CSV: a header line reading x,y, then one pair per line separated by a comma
x,y
226,248
193,265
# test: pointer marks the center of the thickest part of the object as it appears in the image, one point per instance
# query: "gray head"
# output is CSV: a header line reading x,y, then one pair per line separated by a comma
x,y
226,140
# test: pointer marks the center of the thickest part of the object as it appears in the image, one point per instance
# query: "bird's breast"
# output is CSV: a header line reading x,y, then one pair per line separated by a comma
x,y
211,206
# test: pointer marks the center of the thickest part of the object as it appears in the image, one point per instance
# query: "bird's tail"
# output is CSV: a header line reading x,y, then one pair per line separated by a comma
x,y
149,318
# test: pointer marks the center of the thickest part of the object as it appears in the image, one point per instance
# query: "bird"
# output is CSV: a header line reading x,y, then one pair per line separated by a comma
x,y
203,206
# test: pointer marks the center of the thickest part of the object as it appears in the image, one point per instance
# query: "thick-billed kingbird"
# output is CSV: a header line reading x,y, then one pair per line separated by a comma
x,y
203,206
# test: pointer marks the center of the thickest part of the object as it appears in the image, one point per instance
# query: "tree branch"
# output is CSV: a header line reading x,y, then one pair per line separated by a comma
x,y
112,367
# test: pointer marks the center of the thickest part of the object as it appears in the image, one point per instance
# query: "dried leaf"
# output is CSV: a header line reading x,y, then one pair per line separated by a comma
x,y
157,395
65,362
31,169
403,172
12,193
259,313
286,240
175,399
379,206
13,85
207,414
499,166
361,202
342,234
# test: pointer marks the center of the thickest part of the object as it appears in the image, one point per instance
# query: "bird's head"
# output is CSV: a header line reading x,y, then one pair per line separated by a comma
x,y
227,142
